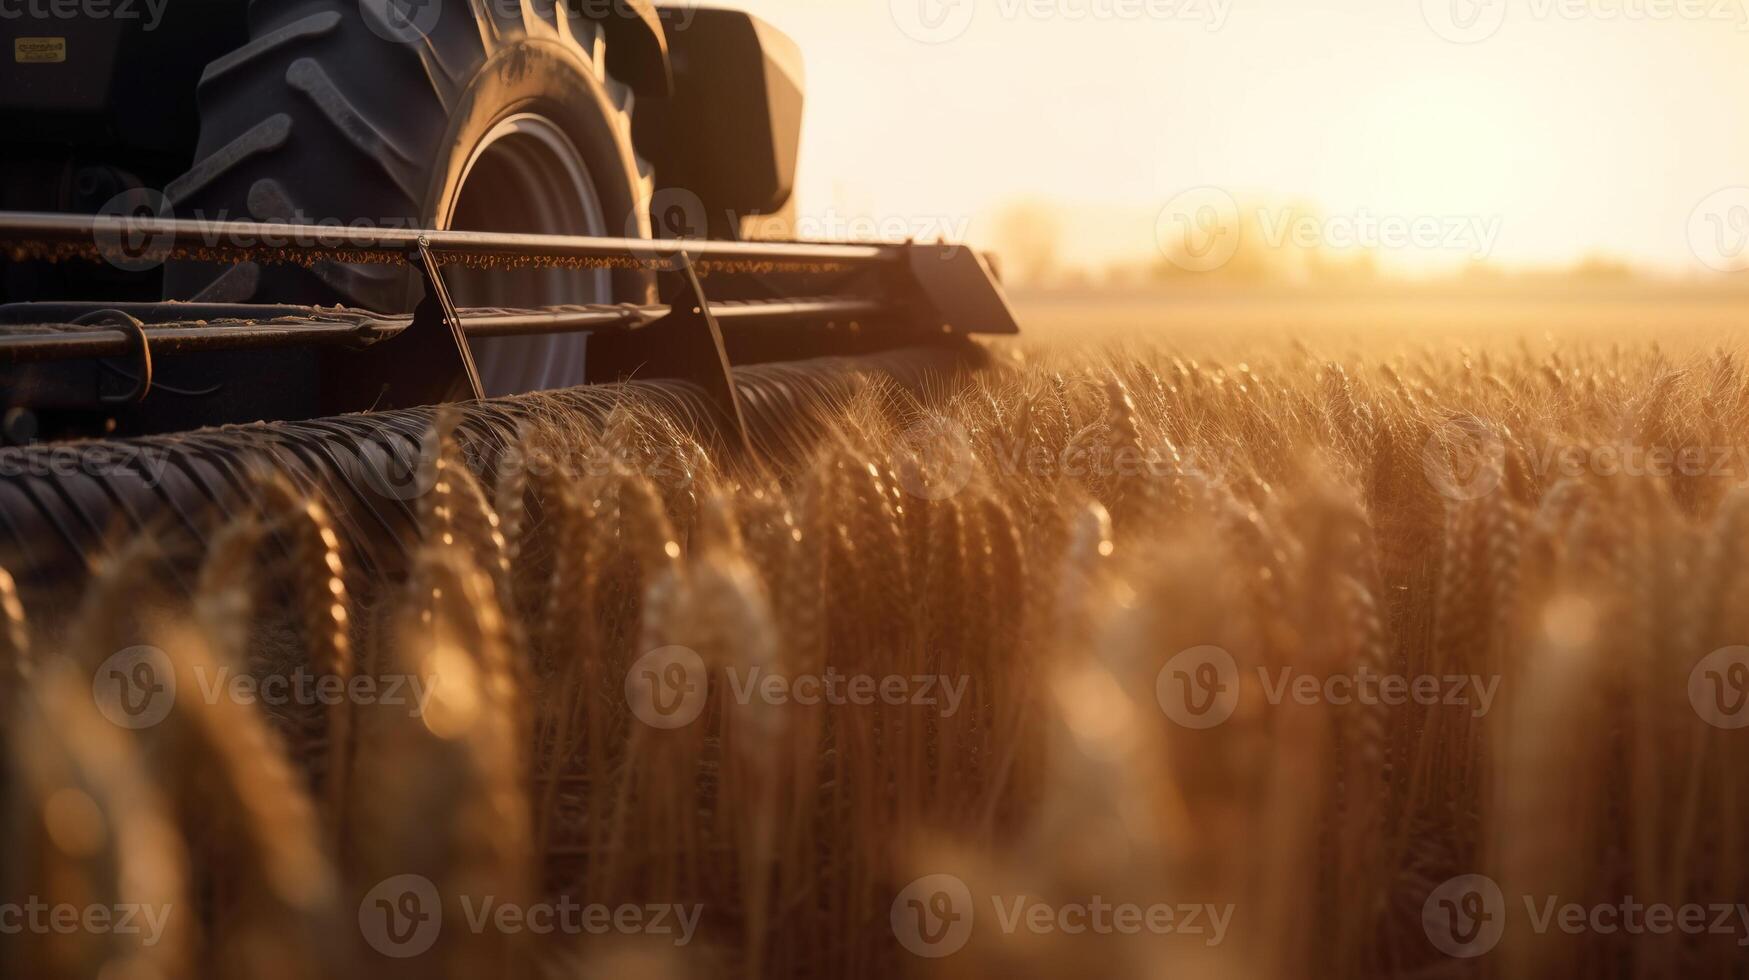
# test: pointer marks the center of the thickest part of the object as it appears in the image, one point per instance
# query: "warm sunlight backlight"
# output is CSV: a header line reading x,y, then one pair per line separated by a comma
x,y
1581,127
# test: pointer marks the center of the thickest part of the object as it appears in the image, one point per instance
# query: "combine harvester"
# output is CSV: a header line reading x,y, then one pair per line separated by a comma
x,y
445,203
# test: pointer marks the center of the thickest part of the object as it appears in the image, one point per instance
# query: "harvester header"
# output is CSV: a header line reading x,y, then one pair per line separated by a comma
x,y
861,298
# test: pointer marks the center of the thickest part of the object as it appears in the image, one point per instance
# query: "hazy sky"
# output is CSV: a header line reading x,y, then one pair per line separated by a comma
x,y
1563,128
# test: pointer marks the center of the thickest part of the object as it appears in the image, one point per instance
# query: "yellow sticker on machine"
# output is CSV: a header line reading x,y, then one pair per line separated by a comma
x,y
39,50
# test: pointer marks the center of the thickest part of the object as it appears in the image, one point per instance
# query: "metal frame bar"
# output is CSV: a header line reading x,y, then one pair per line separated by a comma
x,y
160,236
687,345
319,327
436,291
931,294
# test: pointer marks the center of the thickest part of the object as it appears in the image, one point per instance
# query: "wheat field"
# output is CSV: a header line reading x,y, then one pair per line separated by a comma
x,y
1059,669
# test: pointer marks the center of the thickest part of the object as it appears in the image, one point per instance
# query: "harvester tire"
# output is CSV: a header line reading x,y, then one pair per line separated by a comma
x,y
374,113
